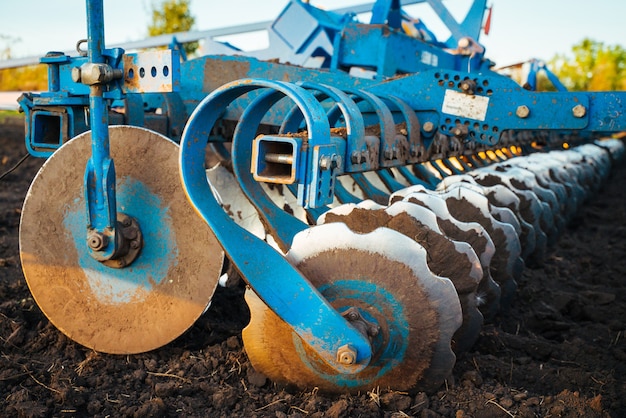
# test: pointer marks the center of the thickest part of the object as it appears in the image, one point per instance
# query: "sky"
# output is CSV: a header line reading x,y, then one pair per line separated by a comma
x,y
520,29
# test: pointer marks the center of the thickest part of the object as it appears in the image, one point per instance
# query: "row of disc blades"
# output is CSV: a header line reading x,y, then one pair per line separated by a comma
x,y
430,267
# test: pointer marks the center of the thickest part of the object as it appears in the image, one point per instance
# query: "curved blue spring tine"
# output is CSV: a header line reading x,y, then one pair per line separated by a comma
x,y
414,137
355,126
409,148
450,166
343,195
435,164
370,190
464,164
292,124
427,175
282,225
389,180
276,282
412,178
388,140
355,129
293,121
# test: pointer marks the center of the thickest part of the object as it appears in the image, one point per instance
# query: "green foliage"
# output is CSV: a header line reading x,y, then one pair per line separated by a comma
x,y
594,66
31,78
173,16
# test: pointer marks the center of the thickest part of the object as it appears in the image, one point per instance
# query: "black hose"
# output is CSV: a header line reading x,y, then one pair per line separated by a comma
x,y
10,170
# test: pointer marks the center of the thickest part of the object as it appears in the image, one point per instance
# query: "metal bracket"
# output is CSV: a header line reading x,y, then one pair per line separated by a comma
x,y
152,72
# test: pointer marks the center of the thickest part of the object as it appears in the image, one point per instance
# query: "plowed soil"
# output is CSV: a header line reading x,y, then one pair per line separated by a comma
x,y
558,351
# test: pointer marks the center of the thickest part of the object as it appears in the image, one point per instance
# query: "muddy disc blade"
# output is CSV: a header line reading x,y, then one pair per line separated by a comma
x,y
118,310
446,258
384,275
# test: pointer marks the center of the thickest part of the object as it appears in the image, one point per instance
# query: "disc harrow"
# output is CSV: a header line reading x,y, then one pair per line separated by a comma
x,y
380,209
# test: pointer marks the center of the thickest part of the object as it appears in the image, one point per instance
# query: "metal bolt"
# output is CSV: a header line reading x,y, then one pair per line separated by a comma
x,y
464,42
76,74
373,330
346,354
428,126
134,244
460,131
96,241
93,73
468,86
331,162
579,111
522,111
353,315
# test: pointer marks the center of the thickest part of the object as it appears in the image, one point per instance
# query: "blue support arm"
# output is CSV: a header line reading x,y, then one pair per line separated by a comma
x,y
100,170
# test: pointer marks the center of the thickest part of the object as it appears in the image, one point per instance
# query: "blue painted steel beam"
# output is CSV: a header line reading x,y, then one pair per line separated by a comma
x,y
100,170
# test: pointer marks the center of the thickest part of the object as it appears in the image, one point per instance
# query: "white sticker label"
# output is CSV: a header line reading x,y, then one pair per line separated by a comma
x,y
465,105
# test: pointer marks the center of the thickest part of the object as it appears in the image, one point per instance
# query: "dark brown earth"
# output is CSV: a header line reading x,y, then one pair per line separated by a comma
x,y
558,351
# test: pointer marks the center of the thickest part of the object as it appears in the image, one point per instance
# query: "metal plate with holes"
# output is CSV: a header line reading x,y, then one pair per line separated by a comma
x,y
152,72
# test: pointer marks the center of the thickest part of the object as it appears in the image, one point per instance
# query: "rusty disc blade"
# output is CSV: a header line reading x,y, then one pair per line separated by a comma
x,y
118,310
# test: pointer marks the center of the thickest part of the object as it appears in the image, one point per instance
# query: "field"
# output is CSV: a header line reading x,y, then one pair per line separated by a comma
x,y
558,351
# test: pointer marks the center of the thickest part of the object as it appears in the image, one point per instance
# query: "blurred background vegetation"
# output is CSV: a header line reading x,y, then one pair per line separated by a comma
x,y
168,16
589,66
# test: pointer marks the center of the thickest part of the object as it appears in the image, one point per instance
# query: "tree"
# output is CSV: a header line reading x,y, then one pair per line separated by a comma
x,y
30,78
594,66
173,16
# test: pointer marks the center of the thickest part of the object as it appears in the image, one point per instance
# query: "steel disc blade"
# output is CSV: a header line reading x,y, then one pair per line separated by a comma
x,y
118,310
384,275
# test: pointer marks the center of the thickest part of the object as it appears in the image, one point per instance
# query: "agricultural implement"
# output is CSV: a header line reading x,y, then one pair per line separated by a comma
x,y
378,190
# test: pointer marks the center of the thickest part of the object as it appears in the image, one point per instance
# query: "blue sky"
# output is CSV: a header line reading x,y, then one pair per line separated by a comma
x,y
521,29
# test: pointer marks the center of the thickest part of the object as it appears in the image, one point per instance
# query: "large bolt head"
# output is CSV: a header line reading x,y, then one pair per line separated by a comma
x,y
522,111
76,74
428,127
98,73
579,111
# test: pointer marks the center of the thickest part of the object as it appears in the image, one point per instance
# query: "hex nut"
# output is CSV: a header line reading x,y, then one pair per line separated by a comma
x,y
346,354
97,241
579,111
522,111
